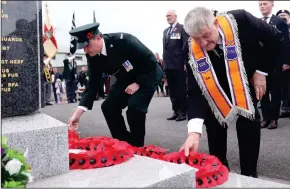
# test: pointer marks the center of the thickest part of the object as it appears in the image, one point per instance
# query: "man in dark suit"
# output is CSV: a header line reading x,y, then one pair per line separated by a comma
x,y
138,75
271,108
69,74
207,33
285,112
174,65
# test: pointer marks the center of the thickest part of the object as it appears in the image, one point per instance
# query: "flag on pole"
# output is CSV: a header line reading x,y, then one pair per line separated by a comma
x,y
49,42
73,41
94,19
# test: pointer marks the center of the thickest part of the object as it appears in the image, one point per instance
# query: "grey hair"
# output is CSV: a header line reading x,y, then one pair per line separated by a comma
x,y
172,11
197,19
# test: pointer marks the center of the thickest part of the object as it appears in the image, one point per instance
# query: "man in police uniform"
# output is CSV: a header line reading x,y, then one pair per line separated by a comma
x,y
138,75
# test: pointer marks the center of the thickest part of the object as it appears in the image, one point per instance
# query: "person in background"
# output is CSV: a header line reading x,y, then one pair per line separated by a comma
x,y
161,85
46,83
271,106
174,65
285,15
83,76
69,74
55,75
59,90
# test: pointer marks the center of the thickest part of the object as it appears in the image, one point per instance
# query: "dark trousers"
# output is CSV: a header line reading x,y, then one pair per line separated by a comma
x,y
177,86
70,90
136,113
249,135
271,107
54,92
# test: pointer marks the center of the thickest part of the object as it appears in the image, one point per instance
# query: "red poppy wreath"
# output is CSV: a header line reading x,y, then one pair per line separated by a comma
x,y
97,152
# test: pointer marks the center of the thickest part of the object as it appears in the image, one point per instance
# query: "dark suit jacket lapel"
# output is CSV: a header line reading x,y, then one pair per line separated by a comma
x,y
176,28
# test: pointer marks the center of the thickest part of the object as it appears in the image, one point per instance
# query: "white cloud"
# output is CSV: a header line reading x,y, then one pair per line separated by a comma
x,y
144,19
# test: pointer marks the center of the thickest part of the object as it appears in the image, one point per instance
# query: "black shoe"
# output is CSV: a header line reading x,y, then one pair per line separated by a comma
x,y
48,104
181,117
264,123
173,117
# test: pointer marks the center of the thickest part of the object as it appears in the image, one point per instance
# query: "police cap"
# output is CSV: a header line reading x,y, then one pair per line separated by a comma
x,y
83,34
282,11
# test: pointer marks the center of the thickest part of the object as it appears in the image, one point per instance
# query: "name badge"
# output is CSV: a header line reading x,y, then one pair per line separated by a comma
x,y
175,36
127,65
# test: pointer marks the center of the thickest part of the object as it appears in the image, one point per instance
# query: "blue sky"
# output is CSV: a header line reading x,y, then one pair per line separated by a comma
x,y
146,20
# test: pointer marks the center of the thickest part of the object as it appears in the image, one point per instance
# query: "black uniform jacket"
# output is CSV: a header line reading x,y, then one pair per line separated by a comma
x,y
121,48
251,30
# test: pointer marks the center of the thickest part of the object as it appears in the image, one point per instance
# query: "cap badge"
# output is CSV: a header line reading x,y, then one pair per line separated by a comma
x,y
89,35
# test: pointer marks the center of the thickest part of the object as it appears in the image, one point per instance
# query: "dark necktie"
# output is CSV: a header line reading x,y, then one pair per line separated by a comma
x,y
218,51
169,32
265,18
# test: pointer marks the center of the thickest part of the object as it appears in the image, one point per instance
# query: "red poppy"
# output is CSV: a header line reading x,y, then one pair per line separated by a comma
x,y
89,35
201,182
114,157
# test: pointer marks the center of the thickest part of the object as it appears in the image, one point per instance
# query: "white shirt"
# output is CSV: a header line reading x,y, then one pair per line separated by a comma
x,y
268,19
172,27
103,52
195,124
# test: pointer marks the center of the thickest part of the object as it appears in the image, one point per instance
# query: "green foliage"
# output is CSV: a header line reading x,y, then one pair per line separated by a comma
x,y
17,180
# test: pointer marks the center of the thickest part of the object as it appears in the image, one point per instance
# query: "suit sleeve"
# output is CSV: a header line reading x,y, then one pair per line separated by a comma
x,y
146,58
283,27
267,34
89,95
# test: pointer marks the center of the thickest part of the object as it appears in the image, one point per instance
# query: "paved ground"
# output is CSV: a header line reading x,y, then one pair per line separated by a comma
x,y
274,159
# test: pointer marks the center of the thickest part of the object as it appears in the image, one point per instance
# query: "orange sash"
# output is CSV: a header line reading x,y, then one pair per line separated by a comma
x,y
224,108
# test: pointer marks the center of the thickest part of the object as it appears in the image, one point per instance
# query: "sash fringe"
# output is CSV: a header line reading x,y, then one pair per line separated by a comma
x,y
251,113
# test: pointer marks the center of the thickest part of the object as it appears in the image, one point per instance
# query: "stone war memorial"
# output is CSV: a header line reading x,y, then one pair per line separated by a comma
x,y
25,127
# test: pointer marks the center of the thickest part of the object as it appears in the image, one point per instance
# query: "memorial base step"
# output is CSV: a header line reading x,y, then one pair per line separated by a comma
x,y
44,138
137,172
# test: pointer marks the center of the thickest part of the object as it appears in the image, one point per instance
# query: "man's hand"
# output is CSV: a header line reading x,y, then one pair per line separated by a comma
x,y
259,83
73,122
191,143
131,89
285,67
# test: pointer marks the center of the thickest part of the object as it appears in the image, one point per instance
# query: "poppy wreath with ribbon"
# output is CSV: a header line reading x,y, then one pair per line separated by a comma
x,y
97,152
